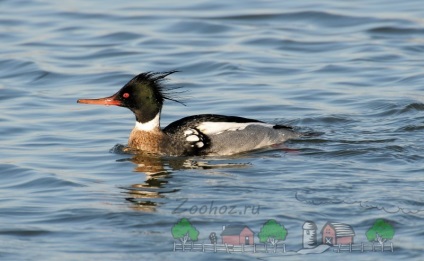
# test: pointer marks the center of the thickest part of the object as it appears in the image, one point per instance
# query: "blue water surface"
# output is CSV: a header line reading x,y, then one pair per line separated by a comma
x,y
351,71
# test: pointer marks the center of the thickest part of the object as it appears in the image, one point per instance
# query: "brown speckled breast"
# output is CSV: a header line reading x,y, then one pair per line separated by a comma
x,y
147,141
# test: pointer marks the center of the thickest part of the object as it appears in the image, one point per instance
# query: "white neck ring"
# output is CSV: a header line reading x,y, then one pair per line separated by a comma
x,y
150,125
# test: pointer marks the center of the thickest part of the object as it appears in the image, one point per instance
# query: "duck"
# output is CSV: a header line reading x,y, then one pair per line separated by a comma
x,y
196,135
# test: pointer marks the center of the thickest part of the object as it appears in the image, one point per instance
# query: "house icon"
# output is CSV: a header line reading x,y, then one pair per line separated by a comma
x,y
237,235
337,233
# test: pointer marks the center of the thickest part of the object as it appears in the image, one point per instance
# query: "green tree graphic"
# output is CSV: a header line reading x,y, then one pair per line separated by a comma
x,y
381,231
184,231
272,232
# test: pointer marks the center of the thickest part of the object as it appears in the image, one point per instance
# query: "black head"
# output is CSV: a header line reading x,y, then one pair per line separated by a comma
x,y
143,95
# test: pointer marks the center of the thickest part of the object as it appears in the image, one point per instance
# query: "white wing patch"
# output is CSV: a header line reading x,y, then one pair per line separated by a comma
x,y
192,136
210,128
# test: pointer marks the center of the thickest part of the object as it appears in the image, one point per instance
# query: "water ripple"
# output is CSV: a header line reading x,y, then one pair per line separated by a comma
x,y
347,75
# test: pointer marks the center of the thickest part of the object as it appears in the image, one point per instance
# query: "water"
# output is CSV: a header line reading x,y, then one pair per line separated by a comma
x,y
349,70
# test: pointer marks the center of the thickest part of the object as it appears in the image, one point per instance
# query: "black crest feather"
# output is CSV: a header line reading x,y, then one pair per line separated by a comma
x,y
155,79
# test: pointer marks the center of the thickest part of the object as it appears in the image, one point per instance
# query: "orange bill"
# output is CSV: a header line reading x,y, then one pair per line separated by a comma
x,y
102,101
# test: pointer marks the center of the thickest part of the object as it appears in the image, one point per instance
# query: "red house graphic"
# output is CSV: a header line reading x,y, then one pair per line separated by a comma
x,y
237,235
337,233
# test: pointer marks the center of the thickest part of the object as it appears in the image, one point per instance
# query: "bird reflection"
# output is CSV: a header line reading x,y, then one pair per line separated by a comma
x,y
149,195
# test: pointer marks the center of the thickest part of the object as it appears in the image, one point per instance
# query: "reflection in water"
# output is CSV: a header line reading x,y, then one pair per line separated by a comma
x,y
158,170
143,196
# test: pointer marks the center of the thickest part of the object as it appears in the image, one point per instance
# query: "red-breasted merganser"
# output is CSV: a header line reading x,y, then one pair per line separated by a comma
x,y
206,134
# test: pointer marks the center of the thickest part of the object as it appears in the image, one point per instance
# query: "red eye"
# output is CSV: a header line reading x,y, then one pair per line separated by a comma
x,y
126,95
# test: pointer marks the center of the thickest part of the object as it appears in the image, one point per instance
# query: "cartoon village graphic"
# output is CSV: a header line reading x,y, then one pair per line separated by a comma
x,y
272,236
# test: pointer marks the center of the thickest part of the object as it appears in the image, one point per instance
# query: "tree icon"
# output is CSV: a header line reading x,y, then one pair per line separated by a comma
x,y
184,231
381,231
272,232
